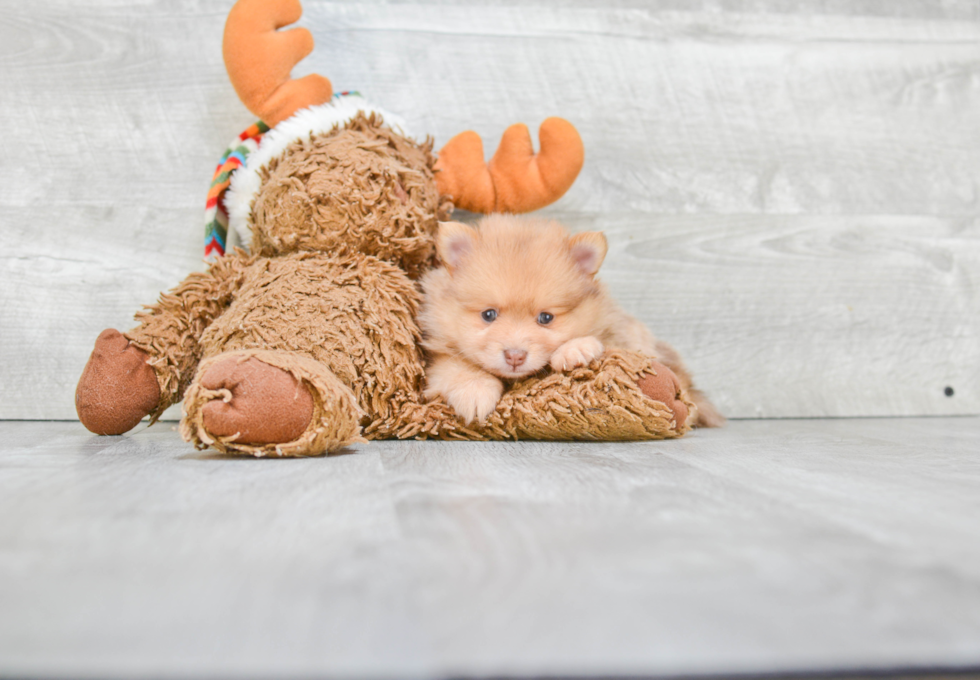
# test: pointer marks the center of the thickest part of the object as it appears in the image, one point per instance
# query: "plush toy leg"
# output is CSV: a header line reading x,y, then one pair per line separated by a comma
x,y
622,396
662,385
605,400
263,404
269,403
118,386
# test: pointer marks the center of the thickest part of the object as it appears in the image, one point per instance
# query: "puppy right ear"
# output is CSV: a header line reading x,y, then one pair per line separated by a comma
x,y
454,242
588,250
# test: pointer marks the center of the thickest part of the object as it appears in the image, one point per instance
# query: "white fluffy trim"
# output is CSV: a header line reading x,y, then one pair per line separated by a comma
x,y
304,124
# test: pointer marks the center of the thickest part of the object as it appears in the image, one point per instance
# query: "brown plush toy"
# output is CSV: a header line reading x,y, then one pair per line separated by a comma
x,y
308,341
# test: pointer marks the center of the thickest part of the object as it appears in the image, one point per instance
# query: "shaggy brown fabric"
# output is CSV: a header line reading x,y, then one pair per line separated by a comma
x,y
353,314
357,189
601,401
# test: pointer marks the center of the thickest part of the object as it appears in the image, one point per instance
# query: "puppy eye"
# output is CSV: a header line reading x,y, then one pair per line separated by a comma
x,y
544,318
489,315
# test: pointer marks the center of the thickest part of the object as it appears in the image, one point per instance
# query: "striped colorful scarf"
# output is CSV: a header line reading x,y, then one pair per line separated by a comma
x,y
215,215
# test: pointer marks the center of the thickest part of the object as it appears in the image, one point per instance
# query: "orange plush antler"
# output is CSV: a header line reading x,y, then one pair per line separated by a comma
x,y
515,180
259,59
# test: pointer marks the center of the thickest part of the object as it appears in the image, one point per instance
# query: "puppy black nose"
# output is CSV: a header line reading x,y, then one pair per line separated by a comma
x,y
515,357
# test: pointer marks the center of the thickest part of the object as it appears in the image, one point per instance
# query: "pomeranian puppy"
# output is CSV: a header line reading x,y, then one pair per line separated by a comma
x,y
517,295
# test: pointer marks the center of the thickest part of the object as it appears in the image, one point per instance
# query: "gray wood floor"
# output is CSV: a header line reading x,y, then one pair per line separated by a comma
x,y
763,546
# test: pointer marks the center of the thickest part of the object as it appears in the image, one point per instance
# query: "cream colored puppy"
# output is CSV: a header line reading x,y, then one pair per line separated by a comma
x,y
517,295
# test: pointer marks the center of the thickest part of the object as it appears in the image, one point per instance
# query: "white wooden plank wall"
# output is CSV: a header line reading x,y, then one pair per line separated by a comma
x,y
790,188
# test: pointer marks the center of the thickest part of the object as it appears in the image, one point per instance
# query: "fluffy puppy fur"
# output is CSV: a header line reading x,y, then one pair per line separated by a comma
x,y
517,295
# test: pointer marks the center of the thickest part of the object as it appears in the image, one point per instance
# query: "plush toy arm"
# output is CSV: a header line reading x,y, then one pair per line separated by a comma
x,y
144,371
118,386
259,58
170,331
516,179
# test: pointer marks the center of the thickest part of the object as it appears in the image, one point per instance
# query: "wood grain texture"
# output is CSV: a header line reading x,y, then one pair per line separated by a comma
x,y
766,547
810,315
798,182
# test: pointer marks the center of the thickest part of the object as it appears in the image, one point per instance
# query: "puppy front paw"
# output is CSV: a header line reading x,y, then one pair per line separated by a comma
x,y
576,352
475,399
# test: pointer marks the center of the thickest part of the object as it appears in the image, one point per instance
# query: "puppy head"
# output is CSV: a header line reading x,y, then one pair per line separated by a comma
x,y
513,291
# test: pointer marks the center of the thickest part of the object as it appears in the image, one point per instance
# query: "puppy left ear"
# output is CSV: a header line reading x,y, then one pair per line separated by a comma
x,y
454,242
588,249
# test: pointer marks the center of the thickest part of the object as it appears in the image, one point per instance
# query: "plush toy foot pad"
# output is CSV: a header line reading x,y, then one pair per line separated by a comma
x,y
663,386
260,403
117,388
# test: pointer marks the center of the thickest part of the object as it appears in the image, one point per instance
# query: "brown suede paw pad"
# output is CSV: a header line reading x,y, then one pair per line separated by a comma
x,y
260,403
117,388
